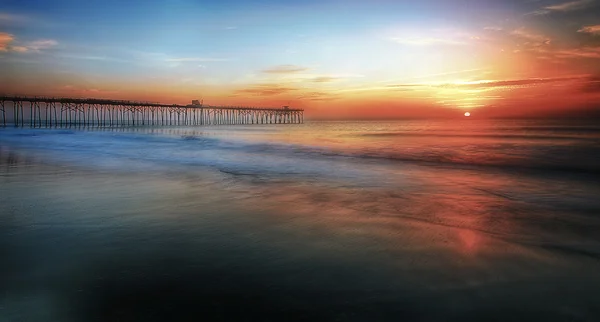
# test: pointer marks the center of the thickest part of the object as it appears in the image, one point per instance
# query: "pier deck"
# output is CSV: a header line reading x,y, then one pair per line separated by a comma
x,y
59,112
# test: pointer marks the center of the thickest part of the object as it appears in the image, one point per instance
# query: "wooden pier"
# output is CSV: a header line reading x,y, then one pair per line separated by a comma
x,y
65,112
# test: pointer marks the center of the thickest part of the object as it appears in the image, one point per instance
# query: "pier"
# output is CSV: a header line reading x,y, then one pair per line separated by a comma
x,y
36,112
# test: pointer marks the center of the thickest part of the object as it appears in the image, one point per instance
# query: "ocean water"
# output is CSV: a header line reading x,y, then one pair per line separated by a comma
x,y
326,221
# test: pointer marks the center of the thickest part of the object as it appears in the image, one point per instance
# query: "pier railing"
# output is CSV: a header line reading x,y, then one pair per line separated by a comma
x,y
60,112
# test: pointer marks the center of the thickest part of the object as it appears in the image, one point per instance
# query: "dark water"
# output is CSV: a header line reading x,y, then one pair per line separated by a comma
x,y
332,221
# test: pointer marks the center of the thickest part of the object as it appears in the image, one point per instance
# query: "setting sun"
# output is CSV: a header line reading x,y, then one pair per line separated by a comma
x,y
467,114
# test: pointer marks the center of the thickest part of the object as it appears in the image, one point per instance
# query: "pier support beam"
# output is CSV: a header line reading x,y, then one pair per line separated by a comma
x,y
55,112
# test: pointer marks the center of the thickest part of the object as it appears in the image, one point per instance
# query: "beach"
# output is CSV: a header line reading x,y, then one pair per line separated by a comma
x,y
489,220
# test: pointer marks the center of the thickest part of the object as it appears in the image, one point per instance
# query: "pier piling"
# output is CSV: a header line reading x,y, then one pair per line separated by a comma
x,y
37,112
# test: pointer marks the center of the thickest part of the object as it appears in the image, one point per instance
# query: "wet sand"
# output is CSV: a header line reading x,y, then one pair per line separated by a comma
x,y
86,243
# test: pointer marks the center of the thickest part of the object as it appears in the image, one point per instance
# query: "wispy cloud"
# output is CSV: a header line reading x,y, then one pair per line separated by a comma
x,y
456,72
592,85
266,90
295,74
593,30
517,82
93,58
19,49
425,41
5,40
565,7
195,59
12,18
532,38
285,69
79,90
570,6
407,87
493,84
317,96
8,19
38,45
8,43
324,79
585,52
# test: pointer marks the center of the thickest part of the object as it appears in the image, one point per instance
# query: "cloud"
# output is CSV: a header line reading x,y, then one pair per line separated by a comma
x,y
570,6
565,7
324,79
266,90
78,90
19,49
12,18
93,58
317,96
593,30
41,44
456,72
195,59
407,86
532,37
592,85
585,52
518,82
425,41
284,69
490,84
7,40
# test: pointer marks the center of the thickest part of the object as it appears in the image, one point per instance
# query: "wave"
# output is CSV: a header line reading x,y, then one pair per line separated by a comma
x,y
123,151
541,160
239,157
528,164
558,128
481,135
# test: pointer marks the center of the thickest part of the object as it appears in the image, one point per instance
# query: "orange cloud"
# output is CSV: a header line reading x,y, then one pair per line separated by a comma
x,y
585,52
285,69
324,79
266,90
593,30
592,85
565,7
5,40
527,82
19,49
520,82
533,38
79,91
317,96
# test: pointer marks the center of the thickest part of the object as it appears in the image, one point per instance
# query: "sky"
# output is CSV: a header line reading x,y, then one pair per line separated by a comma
x,y
373,59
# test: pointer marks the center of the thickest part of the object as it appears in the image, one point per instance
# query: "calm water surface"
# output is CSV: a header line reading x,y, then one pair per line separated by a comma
x,y
326,221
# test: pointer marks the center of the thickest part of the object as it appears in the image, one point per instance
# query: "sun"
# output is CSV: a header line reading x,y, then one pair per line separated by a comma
x,y
467,114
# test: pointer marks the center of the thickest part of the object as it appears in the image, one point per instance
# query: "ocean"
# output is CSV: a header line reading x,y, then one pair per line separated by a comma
x,y
470,220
